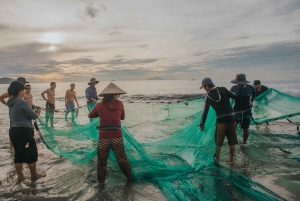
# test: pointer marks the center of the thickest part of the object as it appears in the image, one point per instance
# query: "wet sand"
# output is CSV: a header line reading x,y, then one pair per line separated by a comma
x,y
268,158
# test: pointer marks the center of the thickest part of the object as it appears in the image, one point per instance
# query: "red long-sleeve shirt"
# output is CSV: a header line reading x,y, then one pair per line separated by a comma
x,y
110,113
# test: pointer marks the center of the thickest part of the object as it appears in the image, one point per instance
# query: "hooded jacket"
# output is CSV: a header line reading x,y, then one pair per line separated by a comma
x,y
110,113
20,113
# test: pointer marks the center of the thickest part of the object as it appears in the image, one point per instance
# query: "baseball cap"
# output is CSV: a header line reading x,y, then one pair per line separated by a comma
x,y
23,80
256,82
206,81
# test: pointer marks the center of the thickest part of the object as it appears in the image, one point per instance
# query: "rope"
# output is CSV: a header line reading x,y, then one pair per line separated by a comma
x,y
61,110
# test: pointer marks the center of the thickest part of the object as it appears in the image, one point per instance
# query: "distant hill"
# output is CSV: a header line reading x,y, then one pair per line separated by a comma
x,y
6,80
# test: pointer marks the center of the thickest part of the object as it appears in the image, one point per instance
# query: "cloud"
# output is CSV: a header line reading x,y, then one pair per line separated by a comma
x,y
5,27
178,42
275,59
118,61
143,46
197,68
92,12
119,56
114,33
103,7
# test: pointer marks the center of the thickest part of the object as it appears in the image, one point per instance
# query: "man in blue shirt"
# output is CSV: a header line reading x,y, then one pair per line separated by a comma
x,y
243,103
91,93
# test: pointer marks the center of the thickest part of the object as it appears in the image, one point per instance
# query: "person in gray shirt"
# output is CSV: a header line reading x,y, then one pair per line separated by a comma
x,y
22,134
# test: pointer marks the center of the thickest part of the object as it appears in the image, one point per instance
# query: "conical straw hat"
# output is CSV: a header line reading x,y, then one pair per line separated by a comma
x,y
112,89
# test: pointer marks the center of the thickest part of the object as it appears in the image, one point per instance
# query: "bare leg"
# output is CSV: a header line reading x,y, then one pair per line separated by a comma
x,y
231,154
245,135
218,151
19,167
11,147
34,174
47,117
51,119
235,124
73,114
66,115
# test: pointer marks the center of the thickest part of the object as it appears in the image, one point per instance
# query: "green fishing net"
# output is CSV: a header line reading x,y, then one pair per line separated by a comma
x,y
166,147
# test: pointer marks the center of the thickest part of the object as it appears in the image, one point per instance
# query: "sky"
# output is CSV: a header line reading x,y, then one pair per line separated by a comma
x,y
75,40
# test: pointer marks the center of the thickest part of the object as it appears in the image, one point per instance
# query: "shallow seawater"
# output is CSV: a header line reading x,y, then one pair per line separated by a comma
x,y
269,158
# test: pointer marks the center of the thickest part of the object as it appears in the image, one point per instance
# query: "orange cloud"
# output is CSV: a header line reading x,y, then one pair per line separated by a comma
x,y
51,77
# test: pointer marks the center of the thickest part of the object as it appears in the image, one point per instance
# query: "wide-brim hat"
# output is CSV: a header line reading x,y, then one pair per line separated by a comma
x,y
93,80
112,89
240,79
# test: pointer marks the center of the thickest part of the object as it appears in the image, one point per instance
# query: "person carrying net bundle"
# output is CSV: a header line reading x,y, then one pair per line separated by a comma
x,y
22,132
110,111
219,99
243,103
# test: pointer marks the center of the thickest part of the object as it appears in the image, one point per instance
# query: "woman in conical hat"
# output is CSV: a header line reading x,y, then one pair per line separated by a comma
x,y
110,111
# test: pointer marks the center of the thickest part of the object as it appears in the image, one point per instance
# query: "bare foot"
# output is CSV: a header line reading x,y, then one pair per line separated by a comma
x,y
99,185
218,162
38,176
21,178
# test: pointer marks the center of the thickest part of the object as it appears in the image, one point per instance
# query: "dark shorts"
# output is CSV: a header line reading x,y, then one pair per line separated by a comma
x,y
227,130
20,137
50,107
243,119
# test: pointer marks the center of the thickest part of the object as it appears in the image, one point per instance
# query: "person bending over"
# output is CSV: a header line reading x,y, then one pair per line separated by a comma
x,y
110,111
219,99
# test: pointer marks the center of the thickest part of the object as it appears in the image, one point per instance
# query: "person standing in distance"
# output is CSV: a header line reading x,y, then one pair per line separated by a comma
x,y
50,102
70,97
91,93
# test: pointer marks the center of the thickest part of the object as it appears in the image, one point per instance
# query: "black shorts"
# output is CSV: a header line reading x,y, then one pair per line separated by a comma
x,y
24,144
50,107
243,119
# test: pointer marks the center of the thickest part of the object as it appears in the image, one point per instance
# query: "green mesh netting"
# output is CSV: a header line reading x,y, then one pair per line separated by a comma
x,y
178,157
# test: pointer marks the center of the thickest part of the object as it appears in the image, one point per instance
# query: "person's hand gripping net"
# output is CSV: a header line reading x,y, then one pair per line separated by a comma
x,y
201,127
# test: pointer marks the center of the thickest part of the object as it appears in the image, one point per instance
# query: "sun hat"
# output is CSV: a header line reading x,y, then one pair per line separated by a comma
x,y
256,82
22,79
112,89
206,81
240,79
93,80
